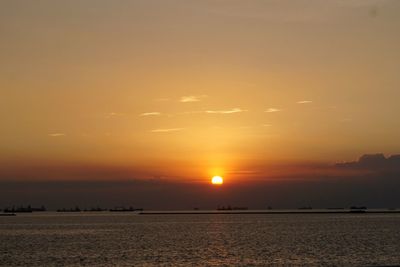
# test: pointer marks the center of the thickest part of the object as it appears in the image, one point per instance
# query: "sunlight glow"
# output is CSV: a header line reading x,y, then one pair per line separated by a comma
x,y
217,180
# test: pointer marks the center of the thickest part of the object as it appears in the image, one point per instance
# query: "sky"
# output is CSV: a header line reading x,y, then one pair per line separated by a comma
x,y
173,92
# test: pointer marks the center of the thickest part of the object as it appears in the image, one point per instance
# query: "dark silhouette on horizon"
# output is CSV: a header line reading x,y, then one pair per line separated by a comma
x,y
373,180
376,162
123,209
22,209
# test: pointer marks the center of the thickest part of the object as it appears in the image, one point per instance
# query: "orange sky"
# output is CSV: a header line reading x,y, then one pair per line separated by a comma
x,y
190,89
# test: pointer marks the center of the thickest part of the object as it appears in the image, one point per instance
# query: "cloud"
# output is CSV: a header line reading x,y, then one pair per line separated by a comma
x,y
304,102
192,98
244,172
166,130
271,110
56,134
150,114
230,111
373,162
113,114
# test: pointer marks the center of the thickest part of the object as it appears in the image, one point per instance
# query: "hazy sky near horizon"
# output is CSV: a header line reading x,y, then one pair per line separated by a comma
x,y
189,89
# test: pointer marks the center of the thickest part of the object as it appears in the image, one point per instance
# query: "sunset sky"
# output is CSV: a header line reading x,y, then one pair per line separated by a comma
x,y
183,90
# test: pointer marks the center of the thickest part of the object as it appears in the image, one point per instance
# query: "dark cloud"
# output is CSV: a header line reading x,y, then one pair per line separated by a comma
x,y
374,162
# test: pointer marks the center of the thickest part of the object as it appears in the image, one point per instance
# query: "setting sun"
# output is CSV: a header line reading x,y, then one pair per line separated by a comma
x,y
217,180
231,132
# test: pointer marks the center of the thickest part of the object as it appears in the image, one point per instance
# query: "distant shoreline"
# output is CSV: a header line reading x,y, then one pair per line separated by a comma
x,y
227,212
269,212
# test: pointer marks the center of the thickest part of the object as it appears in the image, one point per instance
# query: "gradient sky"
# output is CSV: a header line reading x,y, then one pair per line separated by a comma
x,y
183,90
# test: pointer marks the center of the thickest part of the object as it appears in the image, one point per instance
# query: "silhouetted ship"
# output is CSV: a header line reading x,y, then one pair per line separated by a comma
x,y
356,209
7,214
123,209
23,209
305,208
232,208
76,209
98,209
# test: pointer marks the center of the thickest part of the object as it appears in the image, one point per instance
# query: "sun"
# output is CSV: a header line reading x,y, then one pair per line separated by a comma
x,y
217,180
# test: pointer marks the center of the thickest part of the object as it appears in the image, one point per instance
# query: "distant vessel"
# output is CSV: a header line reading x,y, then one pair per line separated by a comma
x,y
305,208
123,209
358,208
232,208
7,214
98,209
23,209
357,211
76,209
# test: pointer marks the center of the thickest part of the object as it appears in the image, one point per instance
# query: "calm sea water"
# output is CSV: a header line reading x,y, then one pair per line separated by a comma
x,y
51,239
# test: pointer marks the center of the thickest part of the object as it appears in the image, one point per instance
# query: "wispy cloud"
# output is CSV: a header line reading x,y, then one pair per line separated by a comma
x,y
56,134
266,125
246,172
166,130
271,110
192,98
304,102
151,114
229,111
113,115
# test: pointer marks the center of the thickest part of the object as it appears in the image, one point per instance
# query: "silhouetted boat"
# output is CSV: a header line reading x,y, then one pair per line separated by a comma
x,y
22,209
19,210
98,209
123,209
305,208
358,208
232,208
357,211
76,209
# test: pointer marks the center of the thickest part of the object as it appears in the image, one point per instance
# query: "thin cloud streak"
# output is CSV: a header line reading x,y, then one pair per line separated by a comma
x,y
271,110
56,134
304,102
192,98
113,115
150,114
230,111
166,130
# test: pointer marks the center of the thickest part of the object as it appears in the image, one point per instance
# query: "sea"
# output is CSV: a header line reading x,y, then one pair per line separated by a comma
x,y
130,239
